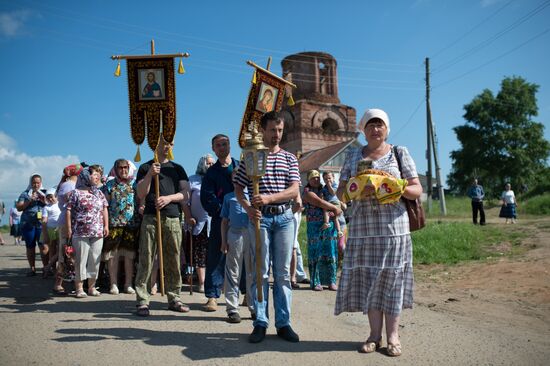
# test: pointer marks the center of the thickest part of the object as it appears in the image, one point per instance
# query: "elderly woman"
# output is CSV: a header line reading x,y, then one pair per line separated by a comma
x,y
197,220
123,226
31,202
322,242
87,211
377,272
509,203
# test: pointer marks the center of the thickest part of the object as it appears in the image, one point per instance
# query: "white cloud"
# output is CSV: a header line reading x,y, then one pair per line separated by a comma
x,y
16,167
12,23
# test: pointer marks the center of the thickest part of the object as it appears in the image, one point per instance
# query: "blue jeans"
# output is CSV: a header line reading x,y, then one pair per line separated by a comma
x,y
277,234
215,261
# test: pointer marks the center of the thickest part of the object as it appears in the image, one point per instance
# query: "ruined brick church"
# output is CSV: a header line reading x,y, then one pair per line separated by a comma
x,y
319,128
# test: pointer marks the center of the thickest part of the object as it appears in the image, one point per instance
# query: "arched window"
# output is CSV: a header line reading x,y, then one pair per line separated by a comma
x,y
329,125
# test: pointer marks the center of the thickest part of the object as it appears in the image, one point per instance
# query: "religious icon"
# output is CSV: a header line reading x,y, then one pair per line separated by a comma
x,y
267,99
151,84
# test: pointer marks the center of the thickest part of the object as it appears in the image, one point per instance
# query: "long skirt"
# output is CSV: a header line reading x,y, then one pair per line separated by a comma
x,y
377,271
508,211
322,253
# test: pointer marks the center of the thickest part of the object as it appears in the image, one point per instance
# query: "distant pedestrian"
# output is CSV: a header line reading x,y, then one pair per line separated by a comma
x,y
509,203
15,219
477,195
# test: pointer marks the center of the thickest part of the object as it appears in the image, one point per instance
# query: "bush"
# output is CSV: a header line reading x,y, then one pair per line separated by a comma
x,y
538,205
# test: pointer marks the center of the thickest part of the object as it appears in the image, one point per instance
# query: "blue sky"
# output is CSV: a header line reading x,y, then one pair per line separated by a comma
x,y
61,103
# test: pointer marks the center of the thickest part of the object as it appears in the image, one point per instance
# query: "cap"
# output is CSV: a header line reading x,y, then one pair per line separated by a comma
x,y
370,114
313,174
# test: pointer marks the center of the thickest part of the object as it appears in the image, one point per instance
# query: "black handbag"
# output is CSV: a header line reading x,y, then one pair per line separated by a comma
x,y
417,217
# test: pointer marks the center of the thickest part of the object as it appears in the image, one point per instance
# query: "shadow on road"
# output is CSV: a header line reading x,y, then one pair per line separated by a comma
x,y
198,346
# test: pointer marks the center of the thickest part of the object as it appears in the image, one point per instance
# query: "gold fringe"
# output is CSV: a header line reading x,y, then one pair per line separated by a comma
x,y
137,158
181,70
170,155
254,78
117,71
290,101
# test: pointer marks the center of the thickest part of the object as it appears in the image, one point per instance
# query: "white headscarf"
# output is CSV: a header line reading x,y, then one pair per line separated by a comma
x,y
370,114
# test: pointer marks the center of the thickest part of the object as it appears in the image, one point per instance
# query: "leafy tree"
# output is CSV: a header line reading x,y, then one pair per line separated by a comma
x,y
500,141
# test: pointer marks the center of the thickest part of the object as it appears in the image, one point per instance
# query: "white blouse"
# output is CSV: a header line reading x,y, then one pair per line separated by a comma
x,y
508,197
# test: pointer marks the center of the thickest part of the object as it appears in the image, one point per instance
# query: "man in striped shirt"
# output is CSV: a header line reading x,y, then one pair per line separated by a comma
x,y
278,187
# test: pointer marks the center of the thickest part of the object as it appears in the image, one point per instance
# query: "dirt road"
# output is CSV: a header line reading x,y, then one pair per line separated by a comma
x,y
495,313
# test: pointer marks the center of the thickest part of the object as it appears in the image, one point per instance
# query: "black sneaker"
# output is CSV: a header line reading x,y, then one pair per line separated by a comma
x,y
257,335
233,318
288,334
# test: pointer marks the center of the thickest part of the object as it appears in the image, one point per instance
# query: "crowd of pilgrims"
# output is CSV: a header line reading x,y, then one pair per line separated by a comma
x,y
207,219
103,237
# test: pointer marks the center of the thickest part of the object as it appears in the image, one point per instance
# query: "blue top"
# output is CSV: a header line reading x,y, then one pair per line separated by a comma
x,y
216,183
29,217
232,210
476,193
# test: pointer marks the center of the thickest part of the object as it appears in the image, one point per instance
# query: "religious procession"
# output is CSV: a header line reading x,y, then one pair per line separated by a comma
x,y
231,228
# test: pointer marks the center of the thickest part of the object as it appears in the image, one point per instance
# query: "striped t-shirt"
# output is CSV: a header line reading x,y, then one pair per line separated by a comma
x,y
280,172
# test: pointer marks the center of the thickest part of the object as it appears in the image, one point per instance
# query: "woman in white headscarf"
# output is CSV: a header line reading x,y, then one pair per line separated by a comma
x,y
31,202
377,272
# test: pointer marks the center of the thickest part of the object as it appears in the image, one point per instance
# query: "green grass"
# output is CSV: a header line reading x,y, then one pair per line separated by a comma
x,y
538,205
454,242
457,206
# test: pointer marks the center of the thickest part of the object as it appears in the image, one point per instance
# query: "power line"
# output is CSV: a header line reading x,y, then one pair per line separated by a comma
x,y
471,30
97,22
422,101
494,59
493,38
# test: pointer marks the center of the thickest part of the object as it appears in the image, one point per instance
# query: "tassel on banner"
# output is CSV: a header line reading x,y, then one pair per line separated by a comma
x,y
117,71
181,70
137,158
290,101
170,155
254,78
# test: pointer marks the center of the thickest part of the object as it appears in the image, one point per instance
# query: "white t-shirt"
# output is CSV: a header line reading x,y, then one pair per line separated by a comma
x,y
52,212
508,197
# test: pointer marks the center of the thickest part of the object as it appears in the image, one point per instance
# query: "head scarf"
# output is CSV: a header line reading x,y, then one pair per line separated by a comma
x,y
201,166
72,170
29,187
113,173
374,113
84,182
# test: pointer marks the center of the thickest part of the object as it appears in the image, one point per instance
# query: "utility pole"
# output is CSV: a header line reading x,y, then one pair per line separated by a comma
x,y
433,139
428,137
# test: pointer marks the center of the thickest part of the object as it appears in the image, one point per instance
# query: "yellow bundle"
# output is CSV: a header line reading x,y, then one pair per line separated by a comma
x,y
387,188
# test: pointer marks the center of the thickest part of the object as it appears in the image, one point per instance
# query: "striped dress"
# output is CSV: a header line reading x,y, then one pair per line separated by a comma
x,y
377,271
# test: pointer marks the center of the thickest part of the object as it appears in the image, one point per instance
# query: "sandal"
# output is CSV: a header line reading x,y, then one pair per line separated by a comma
x,y
93,292
81,294
394,350
178,307
143,310
294,285
59,291
370,346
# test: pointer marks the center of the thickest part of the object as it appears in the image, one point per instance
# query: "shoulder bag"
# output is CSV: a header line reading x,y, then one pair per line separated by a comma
x,y
417,218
